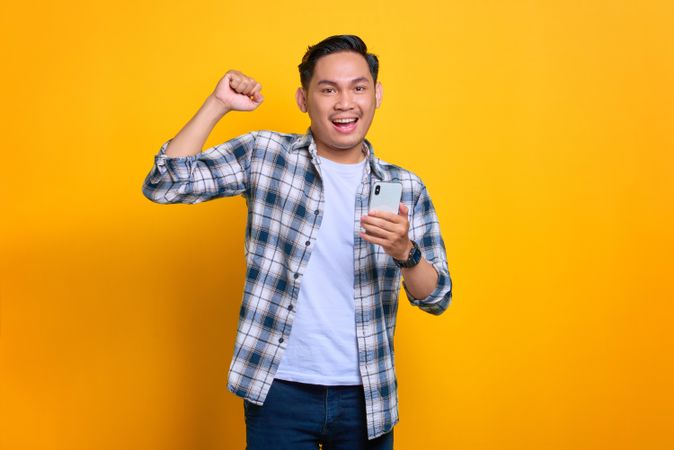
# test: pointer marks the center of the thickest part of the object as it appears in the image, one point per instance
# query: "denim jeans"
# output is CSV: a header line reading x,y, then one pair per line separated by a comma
x,y
300,416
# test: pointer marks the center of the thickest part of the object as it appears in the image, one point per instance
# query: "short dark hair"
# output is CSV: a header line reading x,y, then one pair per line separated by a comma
x,y
335,44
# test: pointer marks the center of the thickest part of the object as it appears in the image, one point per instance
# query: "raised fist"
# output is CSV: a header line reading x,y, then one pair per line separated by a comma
x,y
238,92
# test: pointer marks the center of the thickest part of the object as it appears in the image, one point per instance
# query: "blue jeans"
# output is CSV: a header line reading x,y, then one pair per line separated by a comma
x,y
300,416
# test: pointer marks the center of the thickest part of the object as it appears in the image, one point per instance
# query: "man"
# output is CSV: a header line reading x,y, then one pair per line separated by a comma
x,y
314,357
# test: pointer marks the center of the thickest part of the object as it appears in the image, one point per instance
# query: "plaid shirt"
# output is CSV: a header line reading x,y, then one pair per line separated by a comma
x,y
279,175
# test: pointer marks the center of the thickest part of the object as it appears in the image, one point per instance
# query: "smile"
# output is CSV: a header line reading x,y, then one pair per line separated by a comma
x,y
345,125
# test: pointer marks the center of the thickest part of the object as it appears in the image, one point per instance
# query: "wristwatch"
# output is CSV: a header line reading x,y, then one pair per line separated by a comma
x,y
412,259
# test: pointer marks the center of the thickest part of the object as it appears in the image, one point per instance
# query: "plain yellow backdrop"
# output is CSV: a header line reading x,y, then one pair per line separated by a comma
x,y
543,130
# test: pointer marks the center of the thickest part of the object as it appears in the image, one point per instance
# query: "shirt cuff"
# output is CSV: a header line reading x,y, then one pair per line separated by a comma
x,y
438,300
178,167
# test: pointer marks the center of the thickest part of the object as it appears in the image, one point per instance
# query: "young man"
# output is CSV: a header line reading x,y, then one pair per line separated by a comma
x,y
314,357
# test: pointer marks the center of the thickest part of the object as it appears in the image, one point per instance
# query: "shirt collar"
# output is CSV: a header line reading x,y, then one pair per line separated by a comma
x,y
307,141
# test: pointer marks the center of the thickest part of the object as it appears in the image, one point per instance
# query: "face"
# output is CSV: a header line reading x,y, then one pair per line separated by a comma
x,y
340,99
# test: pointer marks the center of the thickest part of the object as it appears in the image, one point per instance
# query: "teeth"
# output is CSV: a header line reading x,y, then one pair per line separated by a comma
x,y
344,120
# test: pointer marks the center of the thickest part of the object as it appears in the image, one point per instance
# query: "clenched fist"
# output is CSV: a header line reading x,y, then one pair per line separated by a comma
x,y
238,92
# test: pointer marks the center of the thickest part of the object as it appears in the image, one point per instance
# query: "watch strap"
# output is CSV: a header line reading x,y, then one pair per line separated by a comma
x,y
413,257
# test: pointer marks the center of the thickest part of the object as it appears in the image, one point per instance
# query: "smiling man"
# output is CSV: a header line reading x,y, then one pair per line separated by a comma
x,y
314,356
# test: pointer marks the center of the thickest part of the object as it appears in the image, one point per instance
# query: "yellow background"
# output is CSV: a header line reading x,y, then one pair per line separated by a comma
x,y
544,131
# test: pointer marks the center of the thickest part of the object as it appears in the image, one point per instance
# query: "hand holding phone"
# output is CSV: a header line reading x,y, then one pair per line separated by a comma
x,y
389,226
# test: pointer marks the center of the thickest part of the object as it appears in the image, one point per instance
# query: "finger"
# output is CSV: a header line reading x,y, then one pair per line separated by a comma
x,y
403,210
256,88
385,215
255,91
379,232
230,76
235,85
239,84
234,82
379,222
258,98
243,86
250,85
372,239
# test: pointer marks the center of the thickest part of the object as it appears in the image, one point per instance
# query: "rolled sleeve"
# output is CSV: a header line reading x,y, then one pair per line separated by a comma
x,y
425,231
220,171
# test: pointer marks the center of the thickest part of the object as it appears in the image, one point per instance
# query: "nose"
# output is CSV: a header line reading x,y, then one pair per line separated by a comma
x,y
344,101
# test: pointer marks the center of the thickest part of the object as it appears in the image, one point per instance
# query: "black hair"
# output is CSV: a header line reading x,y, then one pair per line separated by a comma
x,y
334,44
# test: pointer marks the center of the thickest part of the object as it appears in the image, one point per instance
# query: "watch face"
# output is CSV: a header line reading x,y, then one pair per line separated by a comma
x,y
416,254
413,258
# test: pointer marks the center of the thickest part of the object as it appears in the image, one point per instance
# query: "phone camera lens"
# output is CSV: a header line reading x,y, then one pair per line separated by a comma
x,y
376,190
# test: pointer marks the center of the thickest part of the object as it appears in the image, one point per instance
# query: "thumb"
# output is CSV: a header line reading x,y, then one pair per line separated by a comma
x,y
258,98
403,210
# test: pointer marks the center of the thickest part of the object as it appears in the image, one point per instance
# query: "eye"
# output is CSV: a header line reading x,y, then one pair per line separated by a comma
x,y
360,88
327,90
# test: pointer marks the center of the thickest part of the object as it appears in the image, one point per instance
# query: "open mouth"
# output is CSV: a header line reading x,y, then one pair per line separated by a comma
x,y
345,125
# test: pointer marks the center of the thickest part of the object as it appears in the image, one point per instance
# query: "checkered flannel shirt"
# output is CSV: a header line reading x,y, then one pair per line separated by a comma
x,y
279,175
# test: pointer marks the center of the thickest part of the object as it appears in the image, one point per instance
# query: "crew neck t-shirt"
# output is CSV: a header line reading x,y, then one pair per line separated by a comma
x,y
322,347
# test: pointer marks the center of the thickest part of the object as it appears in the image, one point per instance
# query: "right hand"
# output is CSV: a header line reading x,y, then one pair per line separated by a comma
x,y
238,92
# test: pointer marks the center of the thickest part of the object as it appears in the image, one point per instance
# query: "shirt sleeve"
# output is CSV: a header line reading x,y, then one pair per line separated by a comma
x,y
425,231
220,171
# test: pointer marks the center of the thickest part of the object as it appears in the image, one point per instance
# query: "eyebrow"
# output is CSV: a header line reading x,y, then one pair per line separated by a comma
x,y
354,81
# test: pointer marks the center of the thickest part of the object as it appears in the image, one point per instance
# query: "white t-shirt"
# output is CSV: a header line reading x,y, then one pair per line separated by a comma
x,y
322,347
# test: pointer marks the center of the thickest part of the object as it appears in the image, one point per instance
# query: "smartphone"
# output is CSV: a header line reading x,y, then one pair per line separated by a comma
x,y
386,196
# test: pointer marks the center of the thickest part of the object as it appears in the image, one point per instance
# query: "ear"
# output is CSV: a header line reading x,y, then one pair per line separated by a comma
x,y
300,98
378,93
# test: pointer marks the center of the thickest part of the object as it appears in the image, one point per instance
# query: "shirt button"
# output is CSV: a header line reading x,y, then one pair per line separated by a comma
x,y
280,341
290,307
316,212
307,243
296,276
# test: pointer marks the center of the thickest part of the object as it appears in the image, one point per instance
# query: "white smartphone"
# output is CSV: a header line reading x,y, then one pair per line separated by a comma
x,y
386,196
